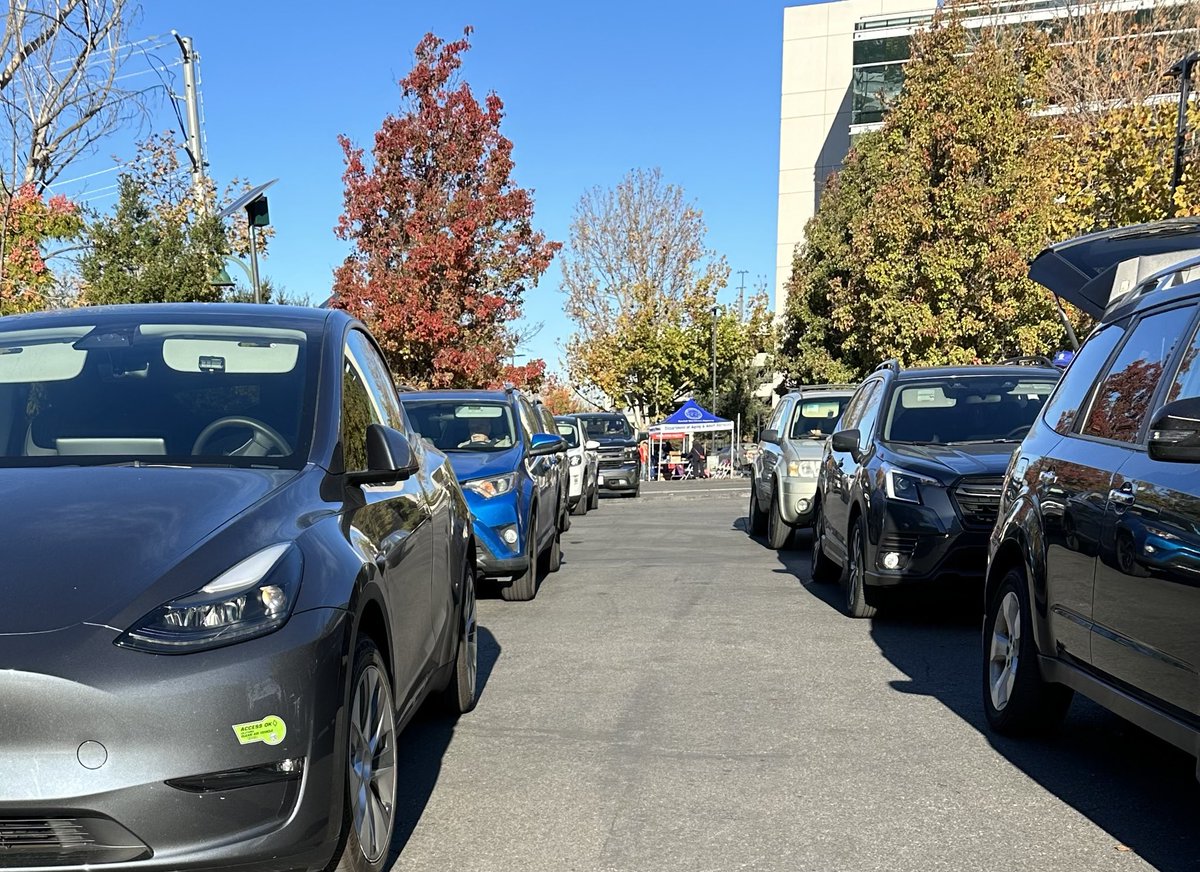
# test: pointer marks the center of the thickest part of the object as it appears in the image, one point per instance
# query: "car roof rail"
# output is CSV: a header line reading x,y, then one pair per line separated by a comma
x,y
891,364
509,387
829,387
1027,360
1170,277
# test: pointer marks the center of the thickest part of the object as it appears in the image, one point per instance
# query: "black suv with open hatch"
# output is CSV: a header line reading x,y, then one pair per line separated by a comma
x,y
1094,575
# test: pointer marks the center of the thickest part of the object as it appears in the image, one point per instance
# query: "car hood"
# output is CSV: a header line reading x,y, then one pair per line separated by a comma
x,y
1091,271
807,448
482,464
948,462
618,442
81,542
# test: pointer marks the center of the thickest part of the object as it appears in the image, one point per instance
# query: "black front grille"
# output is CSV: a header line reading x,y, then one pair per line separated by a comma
x,y
978,500
612,459
66,841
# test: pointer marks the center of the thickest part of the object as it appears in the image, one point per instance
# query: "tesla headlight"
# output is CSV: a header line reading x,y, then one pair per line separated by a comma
x,y
906,486
253,598
491,487
577,460
803,468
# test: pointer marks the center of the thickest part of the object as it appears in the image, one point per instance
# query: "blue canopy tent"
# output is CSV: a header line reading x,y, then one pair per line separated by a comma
x,y
688,420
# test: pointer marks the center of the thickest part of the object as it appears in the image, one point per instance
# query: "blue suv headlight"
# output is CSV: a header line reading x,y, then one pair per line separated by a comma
x,y
493,486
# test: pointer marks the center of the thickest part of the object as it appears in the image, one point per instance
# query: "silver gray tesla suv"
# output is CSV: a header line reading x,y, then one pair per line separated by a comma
x,y
230,576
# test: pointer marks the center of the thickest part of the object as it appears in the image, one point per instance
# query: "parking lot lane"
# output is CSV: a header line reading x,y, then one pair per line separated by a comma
x,y
678,697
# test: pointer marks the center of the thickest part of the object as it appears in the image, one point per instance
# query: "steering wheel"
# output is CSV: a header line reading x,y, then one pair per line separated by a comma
x,y
1018,432
264,441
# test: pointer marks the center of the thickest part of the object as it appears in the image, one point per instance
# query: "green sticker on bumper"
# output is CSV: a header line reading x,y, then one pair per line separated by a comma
x,y
270,731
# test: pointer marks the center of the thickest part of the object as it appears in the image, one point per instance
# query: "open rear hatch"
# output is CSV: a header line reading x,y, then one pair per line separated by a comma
x,y
1092,271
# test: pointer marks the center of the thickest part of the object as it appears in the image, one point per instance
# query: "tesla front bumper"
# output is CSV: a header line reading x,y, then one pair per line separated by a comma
x,y
121,760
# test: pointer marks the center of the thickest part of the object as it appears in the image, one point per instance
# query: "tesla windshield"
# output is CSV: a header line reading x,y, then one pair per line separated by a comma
x,y
157,393
965,409
463,425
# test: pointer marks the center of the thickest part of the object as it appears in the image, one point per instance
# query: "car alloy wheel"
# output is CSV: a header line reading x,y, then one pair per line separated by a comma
x,y
855,575
372,763
1005,650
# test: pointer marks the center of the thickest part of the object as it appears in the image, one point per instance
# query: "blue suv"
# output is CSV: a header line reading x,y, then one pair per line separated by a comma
x,y
509,470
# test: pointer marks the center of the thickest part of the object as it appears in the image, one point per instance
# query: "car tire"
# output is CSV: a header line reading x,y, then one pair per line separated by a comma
x,y
756,520
854,574
823,568
461,692
779,534
524,587
369,677
581,505
553,556
594,499
1016,699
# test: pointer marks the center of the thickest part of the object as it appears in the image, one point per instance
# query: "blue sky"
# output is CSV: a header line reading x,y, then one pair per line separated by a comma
x,y
591,90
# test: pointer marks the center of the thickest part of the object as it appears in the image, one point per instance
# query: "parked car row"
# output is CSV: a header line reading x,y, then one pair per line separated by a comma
x,y
1070,507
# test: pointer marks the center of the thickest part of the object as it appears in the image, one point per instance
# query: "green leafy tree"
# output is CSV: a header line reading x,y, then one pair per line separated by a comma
x,y
919,250
162,243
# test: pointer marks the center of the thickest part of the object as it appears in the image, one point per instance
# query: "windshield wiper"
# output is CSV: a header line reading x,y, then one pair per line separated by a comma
x,y
981,441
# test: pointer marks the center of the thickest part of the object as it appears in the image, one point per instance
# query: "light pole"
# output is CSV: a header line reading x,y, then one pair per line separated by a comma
x,y
1182,70
257,215
713,407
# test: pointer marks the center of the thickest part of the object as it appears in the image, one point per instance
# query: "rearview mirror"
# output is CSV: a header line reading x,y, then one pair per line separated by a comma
x,y
1175,432
769,435
846,442
592,445
389,458
541,444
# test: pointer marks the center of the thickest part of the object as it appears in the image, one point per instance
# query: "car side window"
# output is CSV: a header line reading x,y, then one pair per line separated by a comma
x,y
358,412
855,408
529,422
1122,400
1186,383
1063,406
776,422
870,412
376,378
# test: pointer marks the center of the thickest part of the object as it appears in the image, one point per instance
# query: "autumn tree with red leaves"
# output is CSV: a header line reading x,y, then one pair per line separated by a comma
x,y
444,244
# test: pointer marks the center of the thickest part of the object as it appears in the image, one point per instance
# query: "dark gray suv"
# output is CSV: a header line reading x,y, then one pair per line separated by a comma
x,y
1093,581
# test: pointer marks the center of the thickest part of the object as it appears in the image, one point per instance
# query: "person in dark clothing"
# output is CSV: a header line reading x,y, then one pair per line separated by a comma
x,y
699,459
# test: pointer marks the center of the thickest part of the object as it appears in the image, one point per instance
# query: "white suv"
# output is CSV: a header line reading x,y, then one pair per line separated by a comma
x,y
584,462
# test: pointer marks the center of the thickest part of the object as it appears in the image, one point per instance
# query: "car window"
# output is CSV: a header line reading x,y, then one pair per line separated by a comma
x,y
870,412
777,419
178,393
569,433
375,377
464,425
853,412
606,426
358,412
1186,383
964,407
1122,400
1063,405
817,418
529,421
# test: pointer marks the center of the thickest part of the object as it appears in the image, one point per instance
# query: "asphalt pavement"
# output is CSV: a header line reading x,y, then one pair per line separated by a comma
x,y
679,697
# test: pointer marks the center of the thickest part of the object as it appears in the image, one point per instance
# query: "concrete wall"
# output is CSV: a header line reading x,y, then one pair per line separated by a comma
x,y
814,118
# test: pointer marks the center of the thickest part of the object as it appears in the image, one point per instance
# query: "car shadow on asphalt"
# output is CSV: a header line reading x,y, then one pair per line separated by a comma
x,y
1139,789
422,747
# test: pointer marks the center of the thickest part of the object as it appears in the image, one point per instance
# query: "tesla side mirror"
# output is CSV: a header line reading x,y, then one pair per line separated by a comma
x,y
389,457
1175,432
769,435
541,444
846,442
592,445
